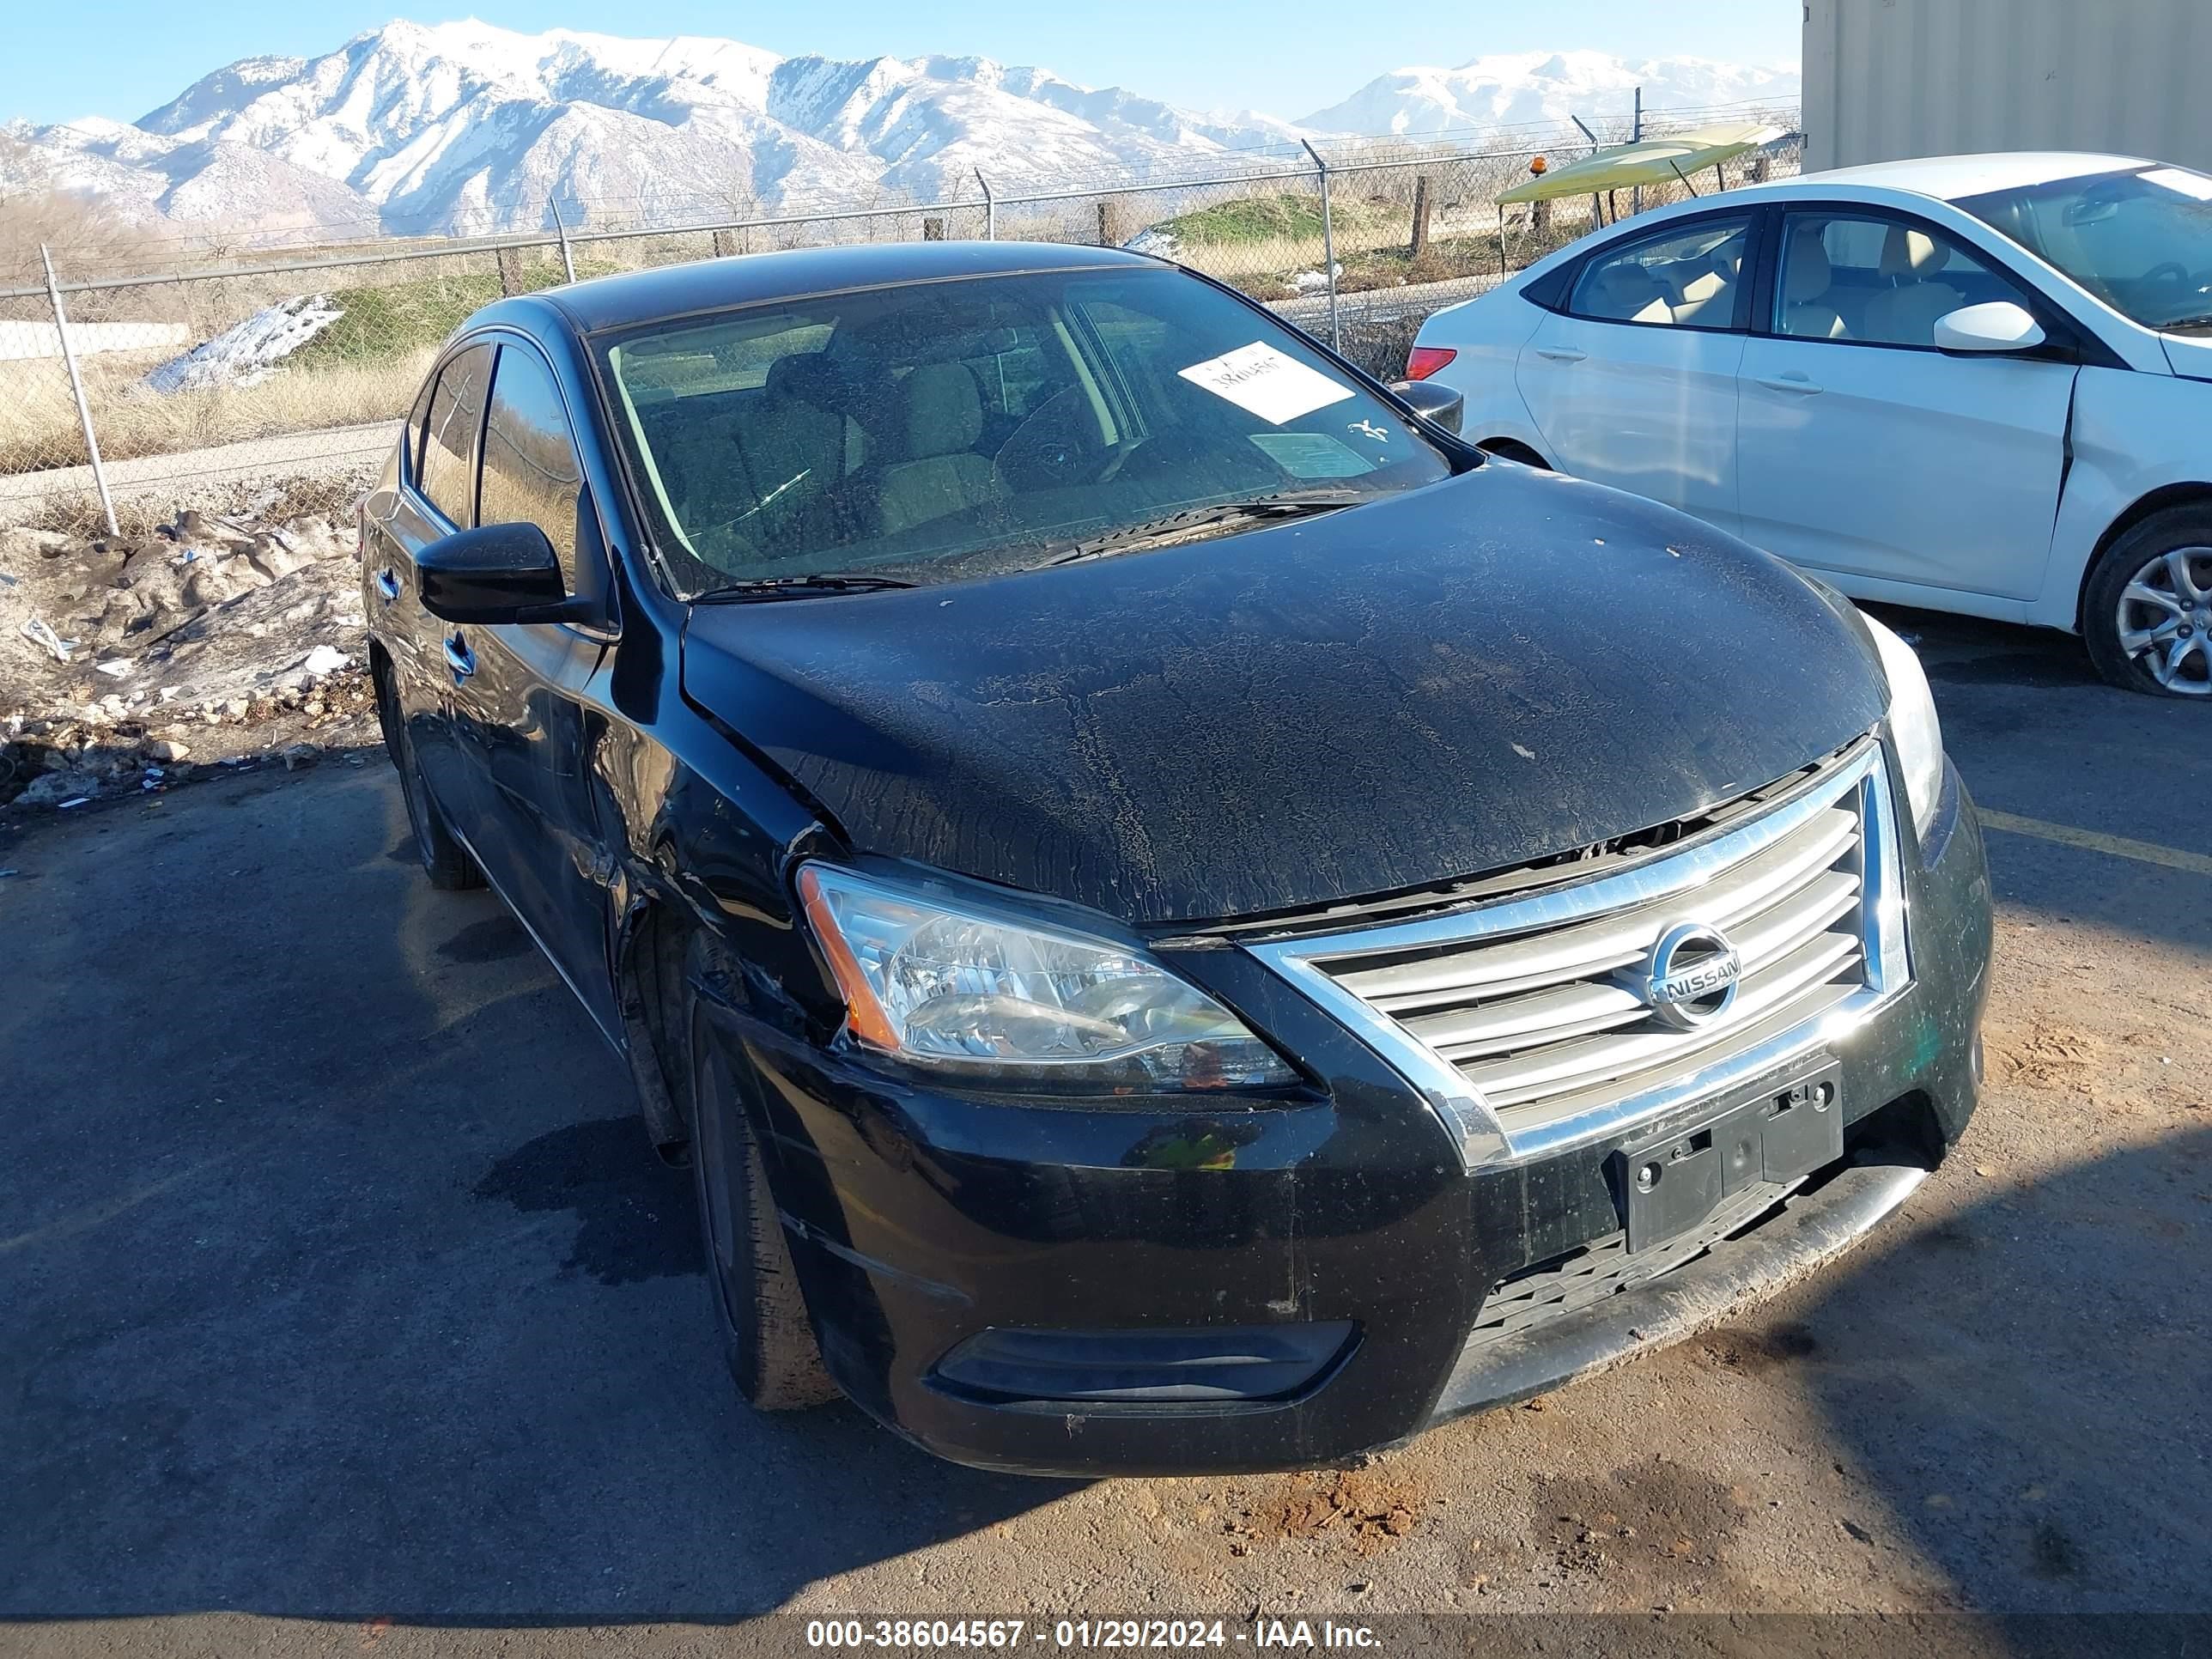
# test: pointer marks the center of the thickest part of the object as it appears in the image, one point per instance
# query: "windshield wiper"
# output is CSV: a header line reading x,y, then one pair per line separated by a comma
x,y
1132,536
2180,323
798,587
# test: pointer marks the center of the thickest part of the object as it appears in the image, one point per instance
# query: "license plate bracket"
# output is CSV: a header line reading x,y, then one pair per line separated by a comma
x,y
1667,1182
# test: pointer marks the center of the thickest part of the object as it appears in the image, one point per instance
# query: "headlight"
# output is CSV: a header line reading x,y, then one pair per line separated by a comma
x,y
1911,724
964,990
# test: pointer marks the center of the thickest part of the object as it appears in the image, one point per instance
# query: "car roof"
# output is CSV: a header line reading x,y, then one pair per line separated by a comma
x,y
1948,178
645,296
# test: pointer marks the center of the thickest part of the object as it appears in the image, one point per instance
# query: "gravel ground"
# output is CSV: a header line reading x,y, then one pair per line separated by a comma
x,y
348,1312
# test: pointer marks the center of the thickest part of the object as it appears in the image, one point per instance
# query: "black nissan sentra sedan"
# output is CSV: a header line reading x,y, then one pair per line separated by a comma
x,y
1182,918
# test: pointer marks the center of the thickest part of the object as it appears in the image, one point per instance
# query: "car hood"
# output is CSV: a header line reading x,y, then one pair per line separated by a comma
x,y
2190,355
1436,684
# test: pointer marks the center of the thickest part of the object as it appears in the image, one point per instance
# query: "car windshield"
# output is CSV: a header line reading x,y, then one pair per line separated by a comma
x,y
2140,241
937,430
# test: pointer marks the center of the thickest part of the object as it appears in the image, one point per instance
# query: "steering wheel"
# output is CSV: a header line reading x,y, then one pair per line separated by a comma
x,y
1057,445
2168,271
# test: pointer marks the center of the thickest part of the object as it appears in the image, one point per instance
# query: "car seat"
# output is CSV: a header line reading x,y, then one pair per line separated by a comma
x,y
1808,310
1904,313
941,418
753,480
1709,298
1626,292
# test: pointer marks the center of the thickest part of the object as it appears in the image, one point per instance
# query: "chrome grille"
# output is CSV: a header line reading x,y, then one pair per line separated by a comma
x,y
1528,1020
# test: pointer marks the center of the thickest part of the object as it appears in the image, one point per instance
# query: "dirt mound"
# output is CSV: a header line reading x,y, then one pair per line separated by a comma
x,y
127,662
1368,1506
2044,1054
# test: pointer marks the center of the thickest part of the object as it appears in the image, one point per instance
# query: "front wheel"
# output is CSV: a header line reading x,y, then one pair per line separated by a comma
x,y
2146,611
445,860
765,1331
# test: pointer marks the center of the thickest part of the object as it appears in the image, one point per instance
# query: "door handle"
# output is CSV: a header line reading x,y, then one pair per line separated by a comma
x,y
460,657
1803,385
1561,354
388,583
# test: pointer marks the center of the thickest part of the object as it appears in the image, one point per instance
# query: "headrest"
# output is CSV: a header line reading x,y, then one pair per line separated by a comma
x,y
1910,252
813,377
1624,289
1805,272
944,409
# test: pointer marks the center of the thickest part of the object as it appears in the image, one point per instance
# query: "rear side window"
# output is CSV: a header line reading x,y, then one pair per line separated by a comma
x,y
1689,277
449,437
531,474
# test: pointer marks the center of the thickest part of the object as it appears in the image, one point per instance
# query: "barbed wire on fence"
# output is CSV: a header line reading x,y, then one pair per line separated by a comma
x,y
299,357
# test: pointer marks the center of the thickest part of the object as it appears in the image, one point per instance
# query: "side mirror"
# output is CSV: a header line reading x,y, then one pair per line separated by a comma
x,y
1999,325
498,573
1437,405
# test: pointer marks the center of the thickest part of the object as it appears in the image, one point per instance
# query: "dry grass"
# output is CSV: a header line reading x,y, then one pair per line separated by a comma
x,y
39,426
327,495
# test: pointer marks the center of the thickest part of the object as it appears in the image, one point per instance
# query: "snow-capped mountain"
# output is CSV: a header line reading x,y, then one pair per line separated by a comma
x,y
1521,88
464,128
467,128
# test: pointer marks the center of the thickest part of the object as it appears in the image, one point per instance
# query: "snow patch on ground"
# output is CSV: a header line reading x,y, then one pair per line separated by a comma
x,y
1160,244
249,352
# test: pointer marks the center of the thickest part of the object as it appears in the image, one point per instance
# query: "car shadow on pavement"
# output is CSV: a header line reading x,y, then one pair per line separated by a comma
x,y
338,1278
2024,1381
1970,651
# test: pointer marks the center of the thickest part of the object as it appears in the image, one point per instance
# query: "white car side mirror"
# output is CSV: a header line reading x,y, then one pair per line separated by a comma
x,y
1999,325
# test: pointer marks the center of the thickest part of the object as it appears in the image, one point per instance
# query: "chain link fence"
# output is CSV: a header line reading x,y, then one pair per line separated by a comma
x,y
275,365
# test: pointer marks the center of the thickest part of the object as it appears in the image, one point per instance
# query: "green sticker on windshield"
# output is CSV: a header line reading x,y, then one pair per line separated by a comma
x,y
1312,454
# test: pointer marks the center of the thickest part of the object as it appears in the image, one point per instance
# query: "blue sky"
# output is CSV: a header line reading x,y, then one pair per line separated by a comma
x,y
123,58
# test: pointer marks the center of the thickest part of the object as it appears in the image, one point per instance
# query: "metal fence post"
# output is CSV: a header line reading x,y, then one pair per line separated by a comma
x,y
77,387
990,208
1597,201
1636,137
560,229
1328,242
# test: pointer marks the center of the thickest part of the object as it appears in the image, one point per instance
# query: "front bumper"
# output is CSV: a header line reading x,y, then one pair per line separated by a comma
x,y
920,1218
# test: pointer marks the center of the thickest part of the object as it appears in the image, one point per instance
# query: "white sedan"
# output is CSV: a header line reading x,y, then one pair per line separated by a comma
x,y
1978,383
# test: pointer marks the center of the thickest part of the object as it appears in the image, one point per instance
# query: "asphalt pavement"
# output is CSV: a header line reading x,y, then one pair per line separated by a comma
x,y
343,1308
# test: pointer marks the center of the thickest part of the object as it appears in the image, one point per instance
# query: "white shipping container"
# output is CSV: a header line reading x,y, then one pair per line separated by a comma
x,y
1892,78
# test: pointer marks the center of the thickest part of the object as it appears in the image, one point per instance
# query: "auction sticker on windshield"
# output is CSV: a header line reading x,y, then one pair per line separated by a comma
x,y
1259,378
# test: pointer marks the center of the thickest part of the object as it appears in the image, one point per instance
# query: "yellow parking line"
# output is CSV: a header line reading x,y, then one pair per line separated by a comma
x,y
2120,847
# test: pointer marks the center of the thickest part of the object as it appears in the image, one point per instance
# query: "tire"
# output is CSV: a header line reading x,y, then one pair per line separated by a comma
x,y
445,860
766,1334
2151,590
